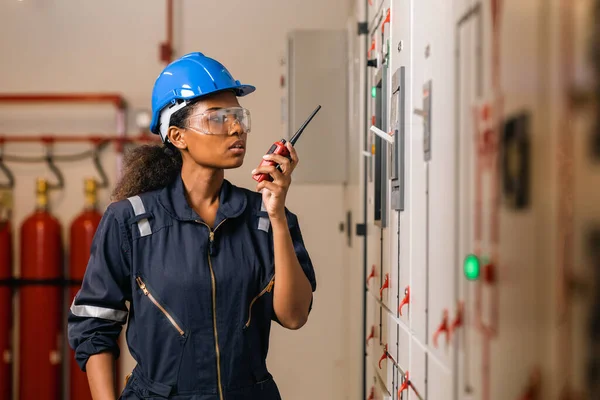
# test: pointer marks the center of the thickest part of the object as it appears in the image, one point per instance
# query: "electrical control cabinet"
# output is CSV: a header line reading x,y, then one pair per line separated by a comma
x,y
471,223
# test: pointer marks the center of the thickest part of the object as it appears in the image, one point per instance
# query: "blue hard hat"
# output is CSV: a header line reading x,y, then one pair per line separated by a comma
x,y
192,76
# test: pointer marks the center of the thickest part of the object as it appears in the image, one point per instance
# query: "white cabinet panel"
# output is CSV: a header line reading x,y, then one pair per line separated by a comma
x,y
401,26
400,49
441,200
372,383
416,371
376,387
396,294
393,338
418,180
383,361
392,347
374,11
372,328
388,291
440,382
403,355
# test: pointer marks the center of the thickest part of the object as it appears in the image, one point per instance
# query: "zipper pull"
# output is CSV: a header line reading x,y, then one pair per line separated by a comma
x,y
211,240
142,285
270,285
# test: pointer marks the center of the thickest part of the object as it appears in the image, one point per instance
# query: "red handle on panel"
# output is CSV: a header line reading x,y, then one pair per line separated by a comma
x,y
489,273
405,300
371,335
386,284
371,275
442,328
386,20
458,320
384,356
405,385
372,48
532,390
372,394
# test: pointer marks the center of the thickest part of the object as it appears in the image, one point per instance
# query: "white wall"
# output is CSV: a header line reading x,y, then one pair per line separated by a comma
x,y
112,46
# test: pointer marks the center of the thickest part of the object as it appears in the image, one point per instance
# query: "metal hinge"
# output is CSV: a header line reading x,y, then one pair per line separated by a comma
x,y
363,28
361,229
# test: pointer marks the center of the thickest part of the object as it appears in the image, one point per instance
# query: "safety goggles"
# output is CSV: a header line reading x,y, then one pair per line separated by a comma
x,y
221,121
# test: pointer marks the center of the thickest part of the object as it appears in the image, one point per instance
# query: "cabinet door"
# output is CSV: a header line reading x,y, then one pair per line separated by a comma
x,y
416,373
388,291
421,154
390,345
402,358
383,348
441,382
382,391
371,380
374,11
372,328
400,118
441,247
403,354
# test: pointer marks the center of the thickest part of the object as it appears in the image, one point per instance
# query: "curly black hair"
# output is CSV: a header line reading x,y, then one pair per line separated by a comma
x,y
151,167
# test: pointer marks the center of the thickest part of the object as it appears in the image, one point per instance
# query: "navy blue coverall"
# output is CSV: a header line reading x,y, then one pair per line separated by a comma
x,y
200,297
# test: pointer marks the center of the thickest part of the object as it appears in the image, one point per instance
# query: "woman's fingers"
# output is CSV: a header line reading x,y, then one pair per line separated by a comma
x,y
270,170
293,154
270,186
284,162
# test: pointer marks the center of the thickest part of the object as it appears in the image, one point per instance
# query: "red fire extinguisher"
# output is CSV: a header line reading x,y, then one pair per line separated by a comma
x,y
41,302
82,233
6,261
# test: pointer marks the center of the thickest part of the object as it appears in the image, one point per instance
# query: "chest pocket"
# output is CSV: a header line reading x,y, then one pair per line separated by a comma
x,y
141,219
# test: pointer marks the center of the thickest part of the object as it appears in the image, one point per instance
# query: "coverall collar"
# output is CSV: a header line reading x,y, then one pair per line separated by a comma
x,y
232,201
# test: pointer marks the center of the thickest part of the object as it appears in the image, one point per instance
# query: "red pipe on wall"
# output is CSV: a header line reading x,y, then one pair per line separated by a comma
x,y
166,48
117,100
47,139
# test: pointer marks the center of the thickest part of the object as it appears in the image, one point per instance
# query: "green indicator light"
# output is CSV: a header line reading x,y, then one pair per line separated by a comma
x,y
374,92
472,267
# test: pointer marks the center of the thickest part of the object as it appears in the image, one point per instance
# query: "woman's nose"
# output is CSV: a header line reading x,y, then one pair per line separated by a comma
x,y
235,127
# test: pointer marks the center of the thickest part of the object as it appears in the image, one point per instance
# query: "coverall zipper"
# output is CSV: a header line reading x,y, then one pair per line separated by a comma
x,y
142,286
267,288
211,239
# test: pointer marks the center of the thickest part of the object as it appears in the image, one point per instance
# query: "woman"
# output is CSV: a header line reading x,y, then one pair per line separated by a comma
x,y
205,265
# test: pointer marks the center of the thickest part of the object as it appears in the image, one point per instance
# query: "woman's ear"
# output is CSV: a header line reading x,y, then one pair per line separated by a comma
x,y
176,137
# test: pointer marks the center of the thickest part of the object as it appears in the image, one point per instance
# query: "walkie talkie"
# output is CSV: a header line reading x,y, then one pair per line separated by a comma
x,y
279,148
